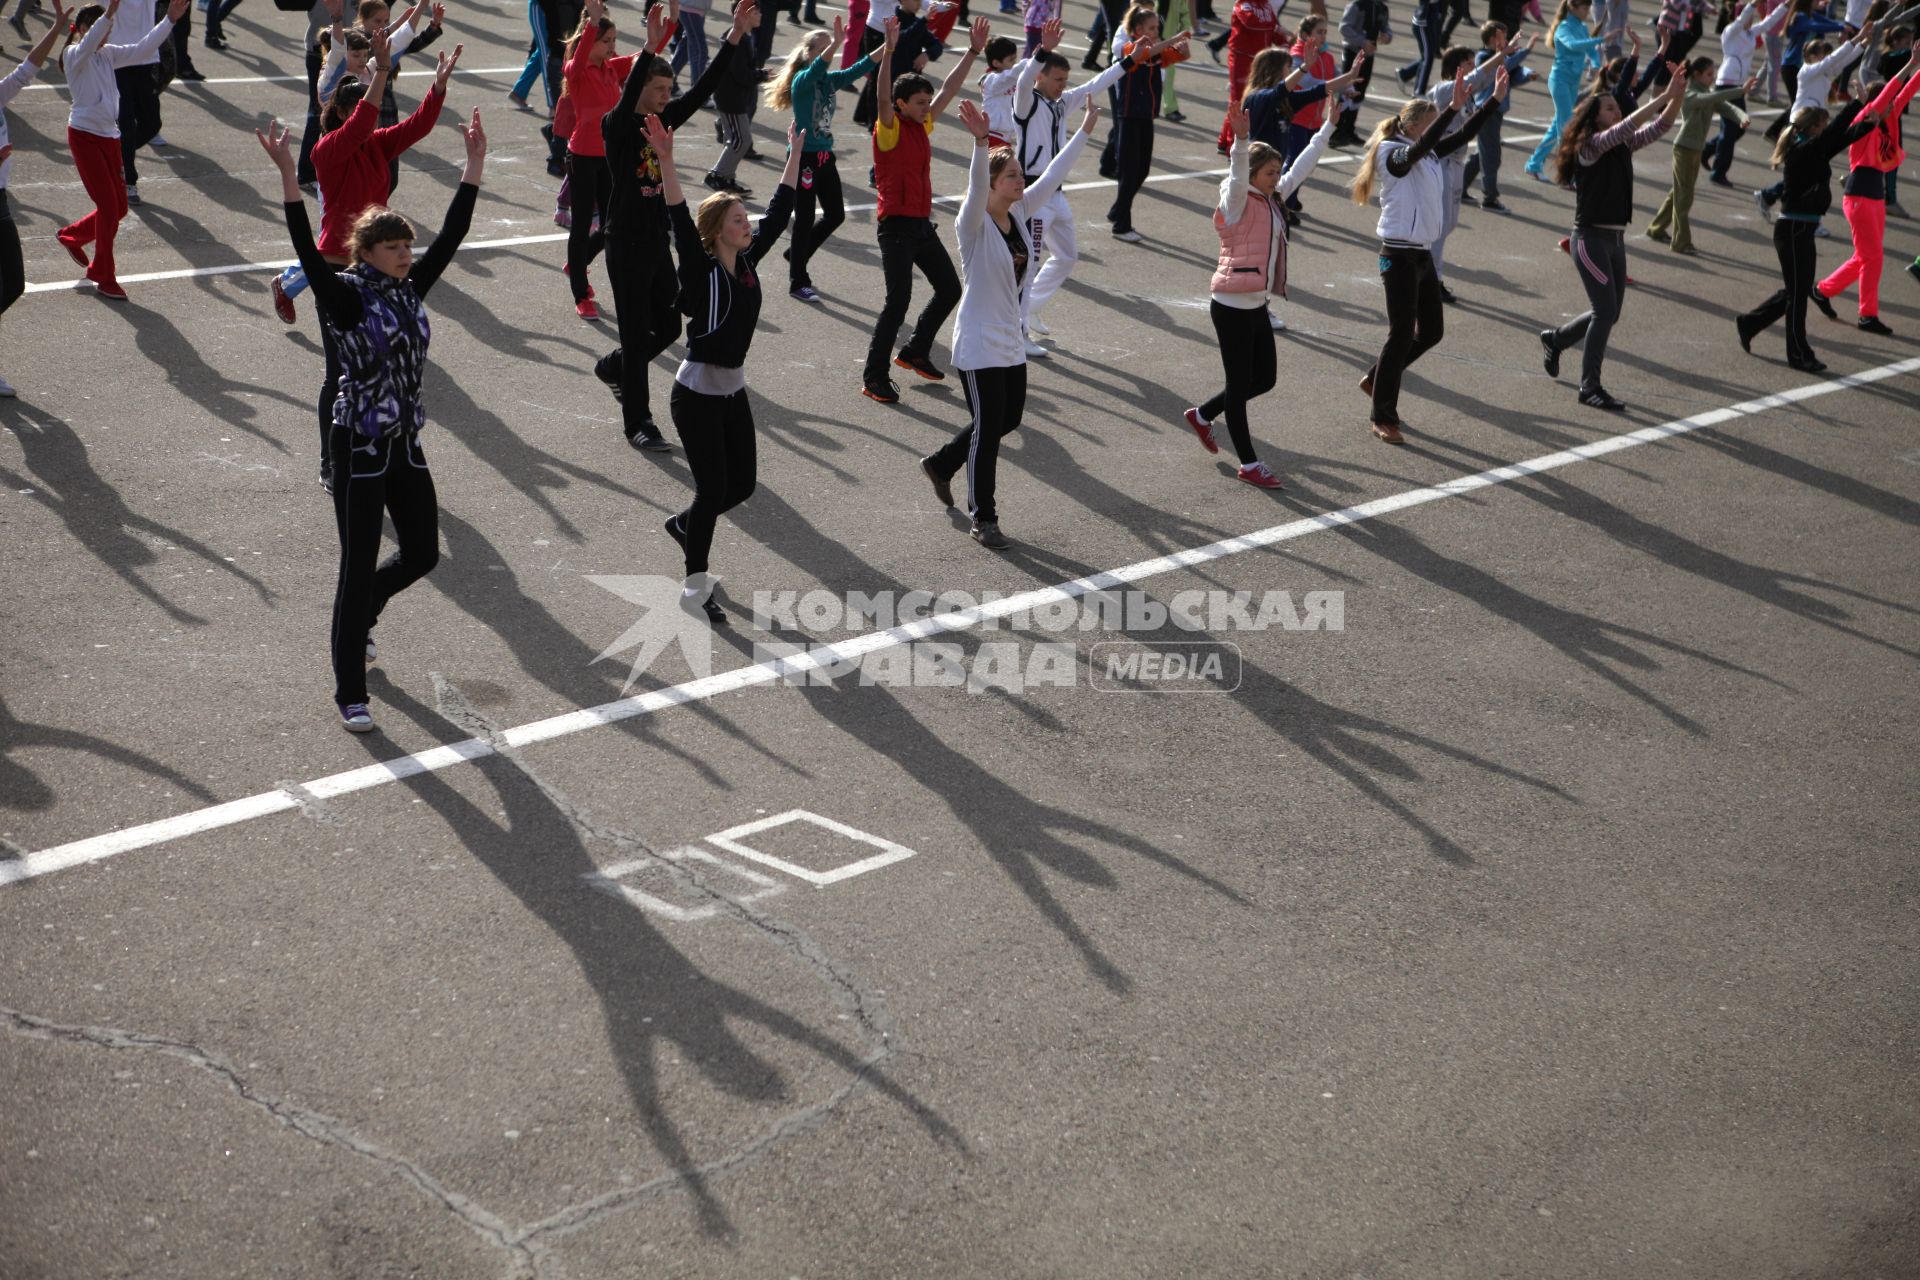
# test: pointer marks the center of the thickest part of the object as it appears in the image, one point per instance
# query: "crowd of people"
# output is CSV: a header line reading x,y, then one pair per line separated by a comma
x,y
614,123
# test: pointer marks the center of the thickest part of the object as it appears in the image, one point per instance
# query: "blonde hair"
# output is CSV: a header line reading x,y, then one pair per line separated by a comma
x,y
712,215
1393,126
1807,122
779,91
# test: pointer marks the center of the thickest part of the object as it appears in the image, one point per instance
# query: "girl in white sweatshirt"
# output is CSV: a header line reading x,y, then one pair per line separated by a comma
x,y
93,132
995,231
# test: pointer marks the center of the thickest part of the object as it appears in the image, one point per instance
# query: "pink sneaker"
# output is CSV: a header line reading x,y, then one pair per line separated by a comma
x,y
587,309
1260,476
1203,429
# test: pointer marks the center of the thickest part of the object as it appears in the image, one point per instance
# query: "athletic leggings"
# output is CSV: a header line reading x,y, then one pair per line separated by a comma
x,y
329,389
98,160
1416,321
1246,353
996,399
1429,38
1133,159
13,271
1566,95
592,185
645,293
819,184
373,480
717,434
1601,259
736,129
1868,218
139,113
1793,242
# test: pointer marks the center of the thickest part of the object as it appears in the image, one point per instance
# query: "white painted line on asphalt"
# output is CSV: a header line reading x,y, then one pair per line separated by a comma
x,y
731,841
609,881
149,834
302,79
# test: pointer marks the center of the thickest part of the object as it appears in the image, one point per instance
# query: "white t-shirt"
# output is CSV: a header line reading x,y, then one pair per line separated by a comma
x,y
879,11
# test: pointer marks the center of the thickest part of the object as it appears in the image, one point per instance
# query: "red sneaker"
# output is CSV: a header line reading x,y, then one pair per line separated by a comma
x,y
1260,476
73,247
1203,429
1566,244
566,269
110,290
586,309
282,304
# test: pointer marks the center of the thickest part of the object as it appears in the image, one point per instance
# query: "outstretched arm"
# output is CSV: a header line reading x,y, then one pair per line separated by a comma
x,y
976,41
883,79
973,205
780,207
338,303
428,266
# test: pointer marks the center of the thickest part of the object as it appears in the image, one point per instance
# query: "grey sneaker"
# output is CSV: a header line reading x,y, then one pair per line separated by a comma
x,y
987,534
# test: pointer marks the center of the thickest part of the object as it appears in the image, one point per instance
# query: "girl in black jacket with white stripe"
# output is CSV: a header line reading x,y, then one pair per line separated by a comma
x,y
720,252
1804,155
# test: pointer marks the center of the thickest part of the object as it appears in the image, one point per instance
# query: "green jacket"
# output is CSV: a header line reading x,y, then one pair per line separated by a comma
x,y
1698,109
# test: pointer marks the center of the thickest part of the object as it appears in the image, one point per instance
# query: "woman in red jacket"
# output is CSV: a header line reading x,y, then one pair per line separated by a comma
x,y
352,161
1255,26
1864,200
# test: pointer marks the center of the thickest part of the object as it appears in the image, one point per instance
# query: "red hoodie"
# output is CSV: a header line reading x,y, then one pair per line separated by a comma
x,y
1322,67
351,164
1255,26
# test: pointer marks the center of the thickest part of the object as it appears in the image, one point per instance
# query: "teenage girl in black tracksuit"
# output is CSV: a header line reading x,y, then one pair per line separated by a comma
x,y
376,313
1805,156
720,254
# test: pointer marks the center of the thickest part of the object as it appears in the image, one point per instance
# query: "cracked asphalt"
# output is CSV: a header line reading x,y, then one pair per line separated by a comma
x,y
1553,918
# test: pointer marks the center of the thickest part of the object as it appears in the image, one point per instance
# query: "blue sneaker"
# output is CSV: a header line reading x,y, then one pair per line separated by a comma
x,y
354,718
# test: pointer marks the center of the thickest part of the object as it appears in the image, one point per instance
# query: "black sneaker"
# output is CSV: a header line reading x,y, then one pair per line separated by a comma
x,y
1492,205
882,390
1550,352
1808,365
677,530
1746,334
1345,138
326,482
649,439
1823,303
1446,294
1871,324
1469,201
942,487
987,534
192,75
1599,399
920,365
607,369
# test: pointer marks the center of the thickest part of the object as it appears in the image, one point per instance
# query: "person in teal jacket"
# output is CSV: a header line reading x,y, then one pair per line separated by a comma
x,y
1575,48
807,84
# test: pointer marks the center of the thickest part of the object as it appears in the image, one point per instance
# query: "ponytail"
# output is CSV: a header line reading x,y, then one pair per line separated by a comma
x,y
1394,126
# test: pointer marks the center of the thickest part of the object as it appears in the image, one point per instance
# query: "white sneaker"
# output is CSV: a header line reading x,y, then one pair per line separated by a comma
x,y
1035,351
1130,237
1278,325
1039,326
1820,231
156,141
6,389
372,653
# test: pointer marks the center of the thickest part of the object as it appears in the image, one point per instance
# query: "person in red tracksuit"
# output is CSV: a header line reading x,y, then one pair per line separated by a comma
x,y
1255,26
1309,51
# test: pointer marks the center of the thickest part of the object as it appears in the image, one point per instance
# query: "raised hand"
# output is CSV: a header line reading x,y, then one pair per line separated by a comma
x,y
335,10
978,35
178,9
1633,38
447,62
660,138
1753,82
1500,82
656,25
377,42
1239,121
476,140
1050,34
439,13
891,29
974,120
746,18
277,142
1460,88
794,135
839,31
596,9
1091,114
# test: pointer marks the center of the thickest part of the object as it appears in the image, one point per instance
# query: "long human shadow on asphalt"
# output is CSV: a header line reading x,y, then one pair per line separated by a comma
x,y
1766,458
21,788
1772,587
60,477
199,383
1024,836
555,656
653,998
1353,747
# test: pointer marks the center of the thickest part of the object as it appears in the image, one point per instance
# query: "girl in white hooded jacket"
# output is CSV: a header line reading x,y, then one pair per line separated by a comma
x,y
995,232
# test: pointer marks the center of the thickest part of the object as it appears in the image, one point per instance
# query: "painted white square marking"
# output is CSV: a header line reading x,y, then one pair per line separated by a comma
x,y
730,840
608,880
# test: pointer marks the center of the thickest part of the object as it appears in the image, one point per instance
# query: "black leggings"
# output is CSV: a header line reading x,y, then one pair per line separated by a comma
x,y
819,182
996,398
645,302
1793,242
13,270
1246,353
592,185
1133,158
717,434
1601,259
139,113
329,392
379,478
1416,321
